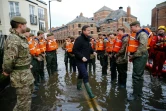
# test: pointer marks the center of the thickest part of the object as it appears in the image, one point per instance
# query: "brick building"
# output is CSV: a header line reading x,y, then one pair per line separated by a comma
x,y
159,15
104,20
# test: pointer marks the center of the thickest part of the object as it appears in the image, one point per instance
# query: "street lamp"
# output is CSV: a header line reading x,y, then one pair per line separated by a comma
x,y
50,11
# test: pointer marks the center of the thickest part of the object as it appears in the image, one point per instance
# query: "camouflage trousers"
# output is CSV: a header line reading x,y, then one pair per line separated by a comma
x,y
24,98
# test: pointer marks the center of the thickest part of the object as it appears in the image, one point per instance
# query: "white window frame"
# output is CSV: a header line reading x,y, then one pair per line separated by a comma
x,y
40,11
14,10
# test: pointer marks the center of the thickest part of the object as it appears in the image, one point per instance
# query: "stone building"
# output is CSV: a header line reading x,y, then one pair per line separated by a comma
x,y
105,20
159,15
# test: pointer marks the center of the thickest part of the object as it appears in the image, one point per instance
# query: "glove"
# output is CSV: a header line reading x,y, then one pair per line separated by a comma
x,y
84,59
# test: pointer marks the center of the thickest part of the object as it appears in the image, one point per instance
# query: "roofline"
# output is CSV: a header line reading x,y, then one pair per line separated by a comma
x,y
103,10
41,2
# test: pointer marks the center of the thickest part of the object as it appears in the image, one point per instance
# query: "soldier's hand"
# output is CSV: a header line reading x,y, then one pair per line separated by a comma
x,y
5,74
84,59
94,53
39,59
31,66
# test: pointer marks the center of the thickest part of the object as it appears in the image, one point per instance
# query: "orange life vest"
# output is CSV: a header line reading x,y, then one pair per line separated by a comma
x,y
37,47
133,43
69,47
51,45
100,45
110,45
31,43
92,45
118,43
56,44
42,45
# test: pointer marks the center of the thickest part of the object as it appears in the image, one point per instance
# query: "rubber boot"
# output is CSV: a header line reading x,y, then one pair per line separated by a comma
x,y
134,96
79,84
89,91
66,65
94,68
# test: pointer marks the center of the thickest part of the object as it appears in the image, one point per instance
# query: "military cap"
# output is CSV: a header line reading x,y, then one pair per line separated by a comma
x,y
28,29
31,35
50,34
19,20
135,23
40,32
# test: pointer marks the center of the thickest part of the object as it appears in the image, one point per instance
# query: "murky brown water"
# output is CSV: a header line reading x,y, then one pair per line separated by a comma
x,y
58,93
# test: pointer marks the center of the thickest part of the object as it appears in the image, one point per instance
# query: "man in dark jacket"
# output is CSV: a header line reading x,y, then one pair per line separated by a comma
x,y
82,50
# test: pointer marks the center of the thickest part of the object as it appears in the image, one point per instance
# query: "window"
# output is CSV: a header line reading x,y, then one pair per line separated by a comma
x,y
103,29
73,33
31,9
91,32
79,25
33,32
79,32
73,26
125,19
14,9
41,13
42,26
108,29
91,25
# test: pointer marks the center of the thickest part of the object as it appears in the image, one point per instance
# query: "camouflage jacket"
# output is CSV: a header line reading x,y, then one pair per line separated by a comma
x,y
142,48
120,56
16,53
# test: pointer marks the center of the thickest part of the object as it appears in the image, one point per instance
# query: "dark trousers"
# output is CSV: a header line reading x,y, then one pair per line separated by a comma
x,y
113,68
91,64
1,59
122,76
138,71
82,69
35,70
73,63
103,61
41,69
56,63
51,62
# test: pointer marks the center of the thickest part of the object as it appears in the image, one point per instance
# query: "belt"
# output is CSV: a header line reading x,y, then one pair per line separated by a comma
x,y
21,67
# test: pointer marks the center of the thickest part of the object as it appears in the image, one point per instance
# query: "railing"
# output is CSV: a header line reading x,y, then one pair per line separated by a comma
x,y
33,19
13,14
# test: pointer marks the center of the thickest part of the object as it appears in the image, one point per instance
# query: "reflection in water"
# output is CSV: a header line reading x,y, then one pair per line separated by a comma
x,y
59,93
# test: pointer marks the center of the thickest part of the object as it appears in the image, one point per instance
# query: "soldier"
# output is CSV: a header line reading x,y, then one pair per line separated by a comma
x,y
42,45
121,57
17,64
51,48
92,59
101,55
139,59
109,49
82,50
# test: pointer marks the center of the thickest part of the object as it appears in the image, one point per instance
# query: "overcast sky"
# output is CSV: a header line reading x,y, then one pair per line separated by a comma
x,y
67,10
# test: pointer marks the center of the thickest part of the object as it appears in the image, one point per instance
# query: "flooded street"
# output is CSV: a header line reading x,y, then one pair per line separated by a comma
x,y
59,93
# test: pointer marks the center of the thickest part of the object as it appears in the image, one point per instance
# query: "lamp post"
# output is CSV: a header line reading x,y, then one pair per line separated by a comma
x,y
50,10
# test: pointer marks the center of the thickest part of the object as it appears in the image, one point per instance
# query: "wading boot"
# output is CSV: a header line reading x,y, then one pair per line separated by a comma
x,y
89,91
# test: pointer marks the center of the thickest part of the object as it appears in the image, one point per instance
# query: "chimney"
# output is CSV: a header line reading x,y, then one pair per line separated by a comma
x,y
81,14
128,11
121,8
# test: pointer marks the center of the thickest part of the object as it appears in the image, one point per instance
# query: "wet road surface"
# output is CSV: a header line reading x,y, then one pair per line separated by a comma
x,y
59,93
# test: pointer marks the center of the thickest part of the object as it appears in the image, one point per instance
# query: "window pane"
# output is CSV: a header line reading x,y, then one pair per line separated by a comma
x,y
16,7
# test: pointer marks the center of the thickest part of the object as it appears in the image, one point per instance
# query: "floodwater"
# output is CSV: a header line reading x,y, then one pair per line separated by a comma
x,y
59,93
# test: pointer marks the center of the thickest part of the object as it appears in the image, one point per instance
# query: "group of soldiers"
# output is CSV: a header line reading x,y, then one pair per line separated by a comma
x,y
118,49
23,61
24,56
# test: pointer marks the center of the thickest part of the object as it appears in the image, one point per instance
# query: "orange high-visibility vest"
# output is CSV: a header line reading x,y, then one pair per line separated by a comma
x,y
133,43
150,36
110,45
56,44
51,45
37,47
42,45
31,43
118,43
100,45
69,47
